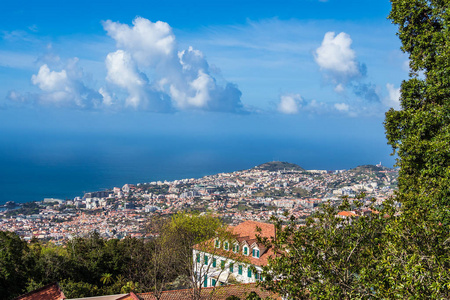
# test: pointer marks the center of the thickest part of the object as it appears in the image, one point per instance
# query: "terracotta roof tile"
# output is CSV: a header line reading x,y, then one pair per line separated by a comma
x,y
246,233
130,296
49,292
211,293
248,229
347,214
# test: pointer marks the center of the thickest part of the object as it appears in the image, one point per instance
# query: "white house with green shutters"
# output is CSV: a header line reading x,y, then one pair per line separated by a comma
x,y
237,258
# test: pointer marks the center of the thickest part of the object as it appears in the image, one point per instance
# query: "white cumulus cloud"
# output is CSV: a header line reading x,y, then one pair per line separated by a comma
x,y
339,88
149,66
336,56
65,87
341,106
290,104
148,42
50,80
337,60
393,100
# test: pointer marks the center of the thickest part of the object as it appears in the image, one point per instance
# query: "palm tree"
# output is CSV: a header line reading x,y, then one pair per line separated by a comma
x,y
106,278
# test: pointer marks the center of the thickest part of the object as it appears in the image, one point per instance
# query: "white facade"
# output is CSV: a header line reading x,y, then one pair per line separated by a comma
x,y
237,258
214,270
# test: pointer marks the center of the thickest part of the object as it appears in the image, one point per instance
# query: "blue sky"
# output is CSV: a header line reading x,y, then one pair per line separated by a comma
x,y
319,72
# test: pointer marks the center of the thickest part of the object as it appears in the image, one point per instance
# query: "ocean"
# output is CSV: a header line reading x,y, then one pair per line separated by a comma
x,y
37,166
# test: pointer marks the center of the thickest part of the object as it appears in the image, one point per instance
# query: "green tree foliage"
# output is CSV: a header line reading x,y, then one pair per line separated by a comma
x,y
93,266
15,264
400,253
173,261
329,258
420,131
420,134
86,266
182,233
80,289
106,278
253,296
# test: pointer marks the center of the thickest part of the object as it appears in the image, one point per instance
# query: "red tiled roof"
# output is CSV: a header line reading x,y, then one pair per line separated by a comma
x,y
247,232
213,293
248,229
48,292
130,296
347,214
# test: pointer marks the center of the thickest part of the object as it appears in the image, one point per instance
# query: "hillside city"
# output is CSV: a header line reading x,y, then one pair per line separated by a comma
x,y
271,189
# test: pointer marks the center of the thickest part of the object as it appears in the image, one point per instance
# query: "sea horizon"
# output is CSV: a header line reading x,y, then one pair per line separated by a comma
x,y
65,172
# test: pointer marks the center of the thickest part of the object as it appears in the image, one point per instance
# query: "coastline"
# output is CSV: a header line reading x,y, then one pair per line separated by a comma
x,y
70,190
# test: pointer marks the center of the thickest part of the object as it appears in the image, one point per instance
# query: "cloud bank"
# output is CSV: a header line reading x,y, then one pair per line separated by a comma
x,y
65,87
159,77
146,72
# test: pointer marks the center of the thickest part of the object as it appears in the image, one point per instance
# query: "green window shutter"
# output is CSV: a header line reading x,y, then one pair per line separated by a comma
x,y
249,272
205,259
245,250
231,268
214,262
198,257
213,282
226,245
240,270
222,264
217,244
255,253
205,281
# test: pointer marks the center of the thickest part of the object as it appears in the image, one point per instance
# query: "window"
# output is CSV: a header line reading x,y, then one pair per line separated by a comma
x,y
198,257
249,272
255,252
256,275
236,248
231,268
205,259
240,270
225,245
214,262
217,244
213,282
222,264
205,281
245,250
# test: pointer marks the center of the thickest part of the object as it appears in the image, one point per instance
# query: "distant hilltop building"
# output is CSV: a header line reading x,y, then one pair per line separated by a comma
x,y
100,194
52,200
317,171
128,187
